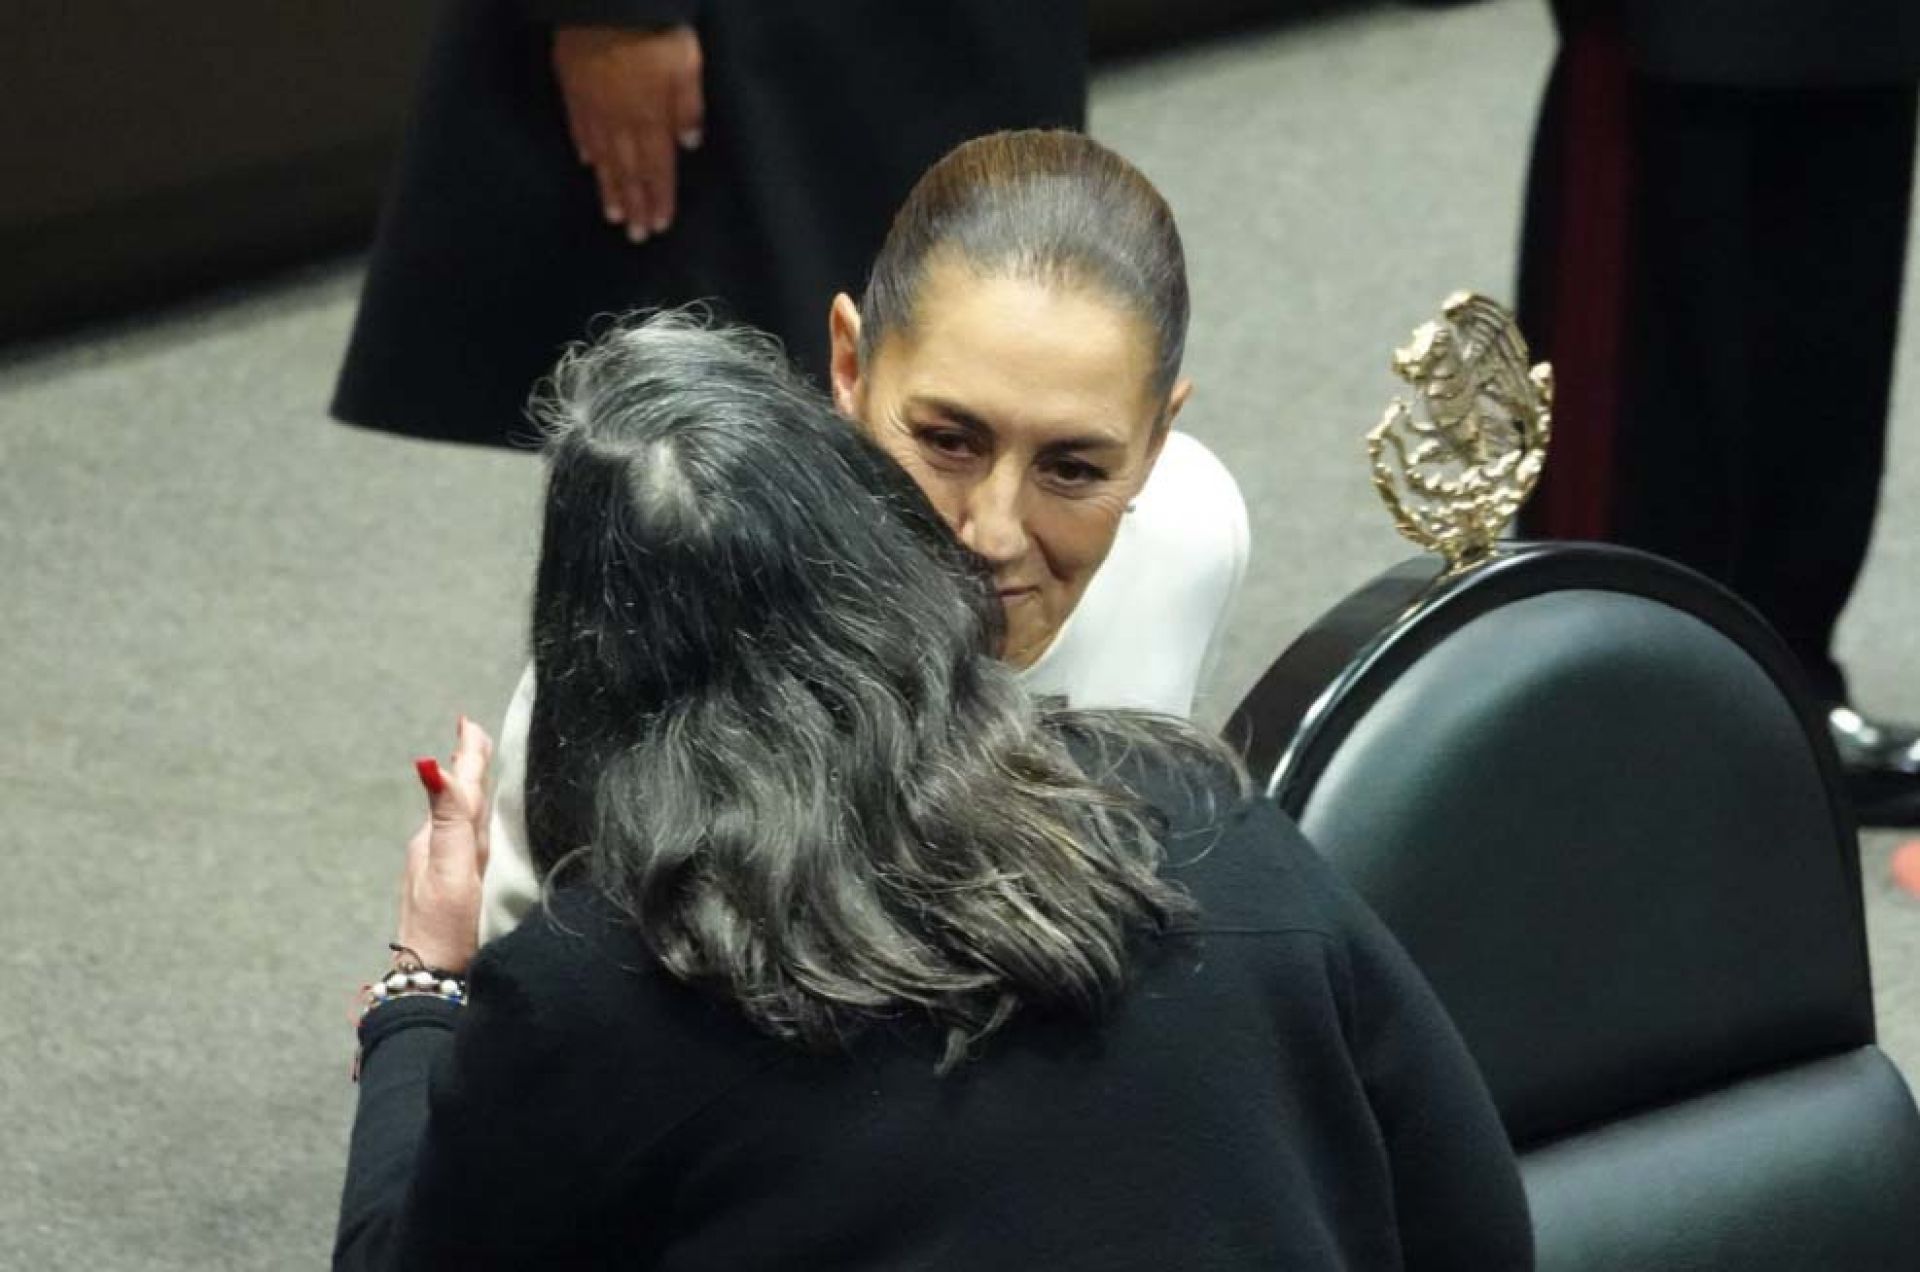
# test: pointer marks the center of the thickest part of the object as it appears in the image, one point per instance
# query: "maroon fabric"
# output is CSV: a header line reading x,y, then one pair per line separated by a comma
x,y
1588,299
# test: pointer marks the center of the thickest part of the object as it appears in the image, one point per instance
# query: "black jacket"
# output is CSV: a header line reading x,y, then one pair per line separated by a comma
x,y
1279,1091
492,254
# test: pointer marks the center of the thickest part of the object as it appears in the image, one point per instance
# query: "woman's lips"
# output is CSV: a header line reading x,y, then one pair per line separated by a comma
x,y
1008,594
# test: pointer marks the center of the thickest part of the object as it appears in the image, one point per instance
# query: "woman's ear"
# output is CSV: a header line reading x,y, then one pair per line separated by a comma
x,y
843,363
1182,390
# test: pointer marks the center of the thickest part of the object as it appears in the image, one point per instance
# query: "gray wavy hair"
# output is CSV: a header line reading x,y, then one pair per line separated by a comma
x,y
769,725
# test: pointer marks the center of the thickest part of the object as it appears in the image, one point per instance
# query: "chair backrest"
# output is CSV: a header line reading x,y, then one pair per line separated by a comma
x,y
1586,790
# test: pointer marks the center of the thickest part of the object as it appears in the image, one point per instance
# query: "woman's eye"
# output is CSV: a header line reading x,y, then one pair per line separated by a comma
x,y
1076,472
947,442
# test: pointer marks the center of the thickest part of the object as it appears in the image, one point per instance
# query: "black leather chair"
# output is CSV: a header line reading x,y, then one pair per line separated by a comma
x,y
1586,790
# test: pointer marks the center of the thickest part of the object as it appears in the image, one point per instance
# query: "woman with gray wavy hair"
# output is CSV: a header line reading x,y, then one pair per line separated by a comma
x,y
851,954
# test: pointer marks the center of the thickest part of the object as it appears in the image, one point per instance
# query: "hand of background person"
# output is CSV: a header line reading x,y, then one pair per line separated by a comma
x,y
632,97
440,889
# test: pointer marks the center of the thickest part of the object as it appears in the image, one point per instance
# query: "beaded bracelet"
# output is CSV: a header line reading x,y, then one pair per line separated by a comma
x,y
427,982
411,977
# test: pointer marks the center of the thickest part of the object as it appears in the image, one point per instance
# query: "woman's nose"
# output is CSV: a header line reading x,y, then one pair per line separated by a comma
x,y
993,525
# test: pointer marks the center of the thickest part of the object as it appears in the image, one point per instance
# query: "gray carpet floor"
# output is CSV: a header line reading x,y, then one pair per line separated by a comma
x,y
229,623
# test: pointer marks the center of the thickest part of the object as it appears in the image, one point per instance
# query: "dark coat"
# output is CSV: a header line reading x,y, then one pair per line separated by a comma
x,y
1278,1090
493,255
1765,43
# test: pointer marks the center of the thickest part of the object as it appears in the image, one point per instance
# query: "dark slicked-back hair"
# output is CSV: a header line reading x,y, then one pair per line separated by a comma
x,y
769,725
1053,207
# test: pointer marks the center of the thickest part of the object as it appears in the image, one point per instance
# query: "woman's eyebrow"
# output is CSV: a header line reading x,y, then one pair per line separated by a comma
x,y
951,411
1087,442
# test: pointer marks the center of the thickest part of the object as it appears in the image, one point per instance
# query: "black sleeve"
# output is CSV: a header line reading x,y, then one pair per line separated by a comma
x,y
466,1153
627,13
1457,1191
399,1045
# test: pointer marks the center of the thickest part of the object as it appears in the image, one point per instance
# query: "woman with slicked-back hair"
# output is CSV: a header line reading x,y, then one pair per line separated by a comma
x,y
857,956
1018,352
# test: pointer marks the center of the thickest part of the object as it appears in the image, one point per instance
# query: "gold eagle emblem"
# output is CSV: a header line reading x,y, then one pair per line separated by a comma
x,y
1455,467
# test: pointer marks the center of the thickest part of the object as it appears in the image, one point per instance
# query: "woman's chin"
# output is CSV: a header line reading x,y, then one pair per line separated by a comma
x,y
1025,643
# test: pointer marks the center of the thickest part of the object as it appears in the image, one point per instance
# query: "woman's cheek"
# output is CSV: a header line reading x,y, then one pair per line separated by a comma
x,y
1075,535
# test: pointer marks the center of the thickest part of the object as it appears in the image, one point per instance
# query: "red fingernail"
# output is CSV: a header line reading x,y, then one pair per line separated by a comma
x,y
430,775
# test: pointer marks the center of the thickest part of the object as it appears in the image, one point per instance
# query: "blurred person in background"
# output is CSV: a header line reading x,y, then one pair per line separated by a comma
x,y
1017,351
571,158
861,958
1714,250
